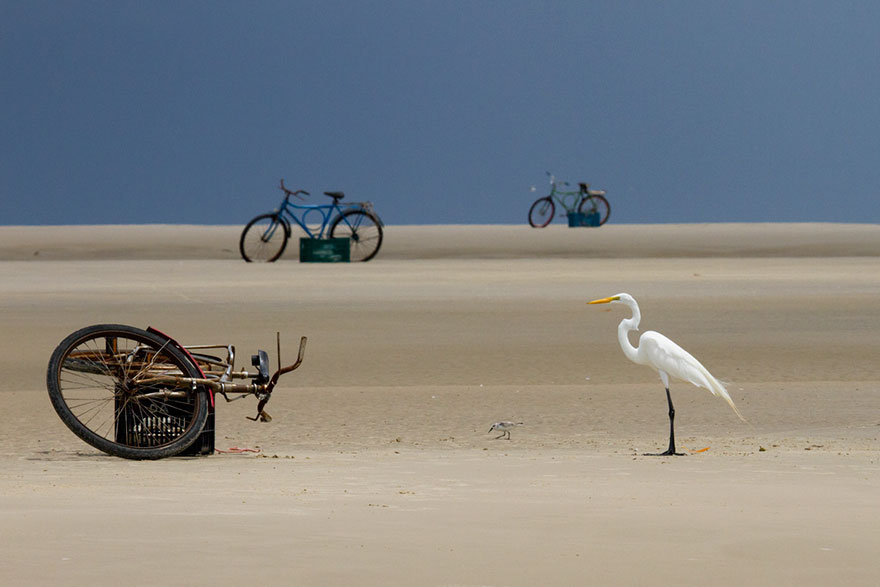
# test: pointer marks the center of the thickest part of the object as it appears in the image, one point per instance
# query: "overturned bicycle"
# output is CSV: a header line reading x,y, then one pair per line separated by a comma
x,y
139,394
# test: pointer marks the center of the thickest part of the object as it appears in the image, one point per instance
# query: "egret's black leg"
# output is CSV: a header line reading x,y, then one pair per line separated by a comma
x,y
671,450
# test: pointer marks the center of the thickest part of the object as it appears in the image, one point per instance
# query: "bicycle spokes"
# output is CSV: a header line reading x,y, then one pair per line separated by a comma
x,y
264,238
117,395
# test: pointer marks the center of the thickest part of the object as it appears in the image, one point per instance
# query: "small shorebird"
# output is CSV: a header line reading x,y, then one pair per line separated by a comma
x,y
504,427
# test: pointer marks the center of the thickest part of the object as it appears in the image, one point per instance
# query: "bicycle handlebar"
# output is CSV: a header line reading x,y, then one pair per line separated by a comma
x,y
295,193
262,416
553,180
282,370
262,390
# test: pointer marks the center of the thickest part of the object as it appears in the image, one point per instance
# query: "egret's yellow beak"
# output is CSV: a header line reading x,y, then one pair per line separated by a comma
x,y
605,300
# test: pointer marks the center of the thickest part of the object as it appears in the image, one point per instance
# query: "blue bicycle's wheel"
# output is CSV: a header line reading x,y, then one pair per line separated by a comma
x,y
363,230
264,238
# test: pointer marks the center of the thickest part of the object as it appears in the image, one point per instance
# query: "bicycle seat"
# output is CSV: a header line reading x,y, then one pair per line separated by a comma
x,y
585,188
335,195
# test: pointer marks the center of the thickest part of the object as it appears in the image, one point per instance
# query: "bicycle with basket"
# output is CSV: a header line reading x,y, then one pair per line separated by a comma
x,y
589,204
265,237
140,394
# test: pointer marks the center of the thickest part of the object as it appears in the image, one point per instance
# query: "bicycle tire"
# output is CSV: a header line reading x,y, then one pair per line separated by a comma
x,y
364,231
93,385
260,238
596,203
541,212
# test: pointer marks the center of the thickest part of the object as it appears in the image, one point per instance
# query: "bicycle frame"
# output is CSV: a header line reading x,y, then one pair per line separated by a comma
x,y
287,208
287,212
564,197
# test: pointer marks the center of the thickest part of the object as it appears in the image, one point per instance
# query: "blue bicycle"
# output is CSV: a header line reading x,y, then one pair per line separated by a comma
x,y
265,237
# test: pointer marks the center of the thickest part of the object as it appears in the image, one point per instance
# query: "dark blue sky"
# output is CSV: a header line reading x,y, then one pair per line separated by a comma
x,y
439,112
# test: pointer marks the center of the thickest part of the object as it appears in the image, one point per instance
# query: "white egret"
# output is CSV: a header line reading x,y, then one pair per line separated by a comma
x,y
504,427
665,357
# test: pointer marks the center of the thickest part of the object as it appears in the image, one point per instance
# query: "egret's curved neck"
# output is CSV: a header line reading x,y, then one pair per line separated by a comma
x,y
623,329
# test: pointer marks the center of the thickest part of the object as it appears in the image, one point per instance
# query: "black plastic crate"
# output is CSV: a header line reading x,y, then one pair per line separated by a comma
x,y
156,430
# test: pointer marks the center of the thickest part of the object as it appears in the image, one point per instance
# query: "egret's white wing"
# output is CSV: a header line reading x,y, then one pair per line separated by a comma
x,y
663,354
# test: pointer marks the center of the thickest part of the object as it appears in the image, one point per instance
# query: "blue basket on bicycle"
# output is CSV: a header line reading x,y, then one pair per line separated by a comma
x,y
576,219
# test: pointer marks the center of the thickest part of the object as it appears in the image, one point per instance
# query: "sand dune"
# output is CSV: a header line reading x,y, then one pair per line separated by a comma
x,y
377,467
25,243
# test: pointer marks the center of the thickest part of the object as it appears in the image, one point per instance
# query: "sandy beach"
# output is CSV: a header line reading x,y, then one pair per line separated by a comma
x,y
377,468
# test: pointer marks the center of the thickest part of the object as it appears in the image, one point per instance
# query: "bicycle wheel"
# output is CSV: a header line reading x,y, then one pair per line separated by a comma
x,y
114,387
264,238
541,212
596,204
364,230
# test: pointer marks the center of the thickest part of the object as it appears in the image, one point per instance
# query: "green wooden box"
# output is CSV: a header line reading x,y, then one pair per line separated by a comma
x,y
324,250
